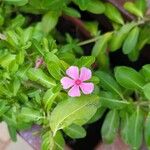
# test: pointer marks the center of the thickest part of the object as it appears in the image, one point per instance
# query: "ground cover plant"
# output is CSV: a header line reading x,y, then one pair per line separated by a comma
x,y
60,76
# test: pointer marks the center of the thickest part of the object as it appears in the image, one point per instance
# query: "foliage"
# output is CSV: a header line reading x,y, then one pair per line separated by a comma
x,y
34,56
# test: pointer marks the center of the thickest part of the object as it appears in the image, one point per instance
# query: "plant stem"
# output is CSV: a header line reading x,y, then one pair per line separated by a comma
x,y
89,41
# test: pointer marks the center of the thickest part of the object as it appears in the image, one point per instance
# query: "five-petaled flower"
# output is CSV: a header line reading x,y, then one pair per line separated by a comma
x,y
75,81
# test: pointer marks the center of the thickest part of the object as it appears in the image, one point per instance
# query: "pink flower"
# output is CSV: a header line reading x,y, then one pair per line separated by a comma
x,y
75,81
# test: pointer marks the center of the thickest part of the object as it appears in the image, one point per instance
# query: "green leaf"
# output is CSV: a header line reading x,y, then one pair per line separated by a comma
x,y
141,5
16,2
108,83
101,45
49,98
96,7
119,36
59,141
135,129
71,12
110,126
40,77
75,131
97,115
129,78
146,90
3,107
29,115
146,72
132,8
131,40
49,21
147,130
54,69
113,103
83,4
16,86
124,126
12,132
75,110
85,61
113,13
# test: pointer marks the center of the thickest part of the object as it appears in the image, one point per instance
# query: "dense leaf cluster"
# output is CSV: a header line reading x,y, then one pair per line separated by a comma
x,y
34,56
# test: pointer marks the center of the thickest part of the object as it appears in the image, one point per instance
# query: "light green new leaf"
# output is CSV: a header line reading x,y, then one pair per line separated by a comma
x,y
96,7
75,131
49,21
108,83
40,77
113,14
141,5
85,61
119,36
101,45
129,78
147,130
135,129
110,126
132,8
131,40
54,69
146,90
73,110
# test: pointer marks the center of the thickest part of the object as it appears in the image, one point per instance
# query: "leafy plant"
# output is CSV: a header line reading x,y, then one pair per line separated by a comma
x,y
34,57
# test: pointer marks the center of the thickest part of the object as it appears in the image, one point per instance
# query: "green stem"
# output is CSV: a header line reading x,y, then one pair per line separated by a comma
x,y
89,41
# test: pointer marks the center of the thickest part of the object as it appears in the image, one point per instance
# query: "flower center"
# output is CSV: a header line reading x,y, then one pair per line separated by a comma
x,y
78,82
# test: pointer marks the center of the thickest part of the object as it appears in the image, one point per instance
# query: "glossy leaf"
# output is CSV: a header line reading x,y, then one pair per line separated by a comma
x,y
146,72
75,131
129,78
113,14
110,126
108,83
39,76
96,7
75,110
131,40
146,90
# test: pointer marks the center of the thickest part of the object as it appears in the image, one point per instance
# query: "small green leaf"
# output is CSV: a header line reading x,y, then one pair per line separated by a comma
x,y
108,83
49,21
132,8
119,36
135,129
12,132
71,12
75,131
40,77
96,7
101,45
113,14
131,40
110,126
146,90
85,61
83,4
146,72
75,110
129,78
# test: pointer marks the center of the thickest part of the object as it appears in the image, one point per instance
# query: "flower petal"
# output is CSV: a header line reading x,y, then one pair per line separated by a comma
x,y
85,74
66,82
87,88
74,91
73,72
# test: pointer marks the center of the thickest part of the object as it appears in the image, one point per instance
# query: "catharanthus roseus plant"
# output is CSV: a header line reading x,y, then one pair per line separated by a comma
x,y
66,68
